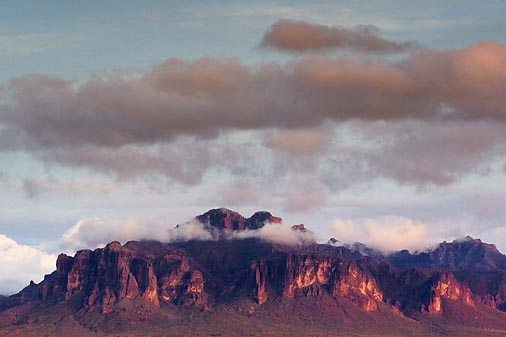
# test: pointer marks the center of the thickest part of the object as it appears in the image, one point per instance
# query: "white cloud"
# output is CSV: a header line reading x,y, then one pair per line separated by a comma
x,y
388,234
274,232
21,264
96,232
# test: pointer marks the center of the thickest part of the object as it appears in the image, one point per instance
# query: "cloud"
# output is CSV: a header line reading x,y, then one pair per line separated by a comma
x,y
299,142
239,193
94,232
387,234
21,264
207,96
32,188
274,232
304,196
437,153
163,121
301,36
3,176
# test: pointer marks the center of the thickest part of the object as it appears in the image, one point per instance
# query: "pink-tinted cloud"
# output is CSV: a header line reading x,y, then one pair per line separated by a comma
x,y
301,36
133,124
299,142
239,193
439,153
387,234
169,100
304,196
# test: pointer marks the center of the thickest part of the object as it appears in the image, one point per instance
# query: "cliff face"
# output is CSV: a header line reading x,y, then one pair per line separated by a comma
x,y
472,266
156,273
445,285
314,276
101,278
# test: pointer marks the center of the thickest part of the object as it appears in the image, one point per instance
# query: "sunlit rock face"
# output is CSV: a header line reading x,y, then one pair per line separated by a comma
x,y
358,285
445,285
105,276
313,276
259,273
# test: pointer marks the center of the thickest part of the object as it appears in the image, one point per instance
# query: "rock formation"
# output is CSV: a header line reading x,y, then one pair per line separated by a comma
x,y
201,275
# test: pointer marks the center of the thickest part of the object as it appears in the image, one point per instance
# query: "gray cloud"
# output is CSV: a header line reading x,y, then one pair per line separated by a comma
x,y
3,176
162,121
207,96
301,36
299,143
31,188
239,193
429,152
304,196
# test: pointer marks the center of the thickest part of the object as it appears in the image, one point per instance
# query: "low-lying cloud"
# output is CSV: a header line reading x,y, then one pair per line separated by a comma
x,y
274,232
387,234
92,233
95,232
301,36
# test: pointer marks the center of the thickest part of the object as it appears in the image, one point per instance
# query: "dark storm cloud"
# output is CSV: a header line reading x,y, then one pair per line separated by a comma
x,y
301,36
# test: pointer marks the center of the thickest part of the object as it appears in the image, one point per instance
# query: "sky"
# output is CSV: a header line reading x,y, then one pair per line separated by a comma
x,y
382,122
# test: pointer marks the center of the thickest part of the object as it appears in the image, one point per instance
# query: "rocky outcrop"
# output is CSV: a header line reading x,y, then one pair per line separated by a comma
x,y
101,278
474,264
358,285
500,296
259,273
445,285
223,218
313,276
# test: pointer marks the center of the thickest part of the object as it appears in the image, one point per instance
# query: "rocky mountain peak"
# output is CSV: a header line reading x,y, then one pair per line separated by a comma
x,y
223,218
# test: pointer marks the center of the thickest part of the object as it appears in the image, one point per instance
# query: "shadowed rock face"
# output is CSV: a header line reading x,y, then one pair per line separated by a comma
x,y
223,218
223,273
101,278
475,265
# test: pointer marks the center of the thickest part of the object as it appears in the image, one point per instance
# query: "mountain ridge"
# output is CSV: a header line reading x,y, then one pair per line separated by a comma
x,y
143,283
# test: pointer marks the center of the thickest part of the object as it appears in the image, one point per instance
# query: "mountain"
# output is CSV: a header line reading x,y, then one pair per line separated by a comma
x,y
256,285
478,265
